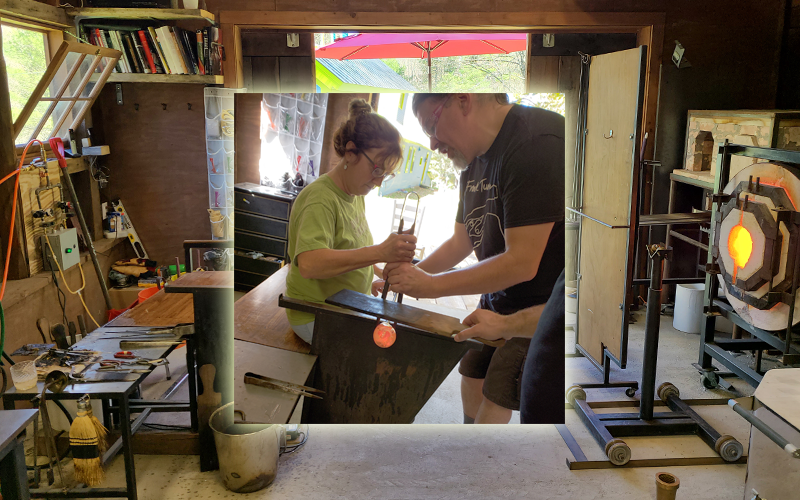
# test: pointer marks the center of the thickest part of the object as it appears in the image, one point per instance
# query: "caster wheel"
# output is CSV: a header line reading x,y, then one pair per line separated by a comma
x,y
630,392
618,452
575,392
729,448
710,380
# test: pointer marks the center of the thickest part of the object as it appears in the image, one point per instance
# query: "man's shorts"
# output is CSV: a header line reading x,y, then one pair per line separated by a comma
x,y
501,369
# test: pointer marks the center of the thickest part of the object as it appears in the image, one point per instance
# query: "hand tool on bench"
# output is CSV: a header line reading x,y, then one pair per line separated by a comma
x,y
146,344
280,385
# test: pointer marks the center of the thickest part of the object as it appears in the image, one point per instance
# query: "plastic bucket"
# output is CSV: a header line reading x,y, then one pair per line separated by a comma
x,y
248,453
147,293
688,315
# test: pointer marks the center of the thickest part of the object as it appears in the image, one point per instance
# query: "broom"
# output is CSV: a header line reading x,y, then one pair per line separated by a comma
x,y
84,441
102,432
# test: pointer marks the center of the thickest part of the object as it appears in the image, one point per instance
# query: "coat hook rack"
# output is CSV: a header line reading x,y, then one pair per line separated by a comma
x,y
163,106
189,105
136,106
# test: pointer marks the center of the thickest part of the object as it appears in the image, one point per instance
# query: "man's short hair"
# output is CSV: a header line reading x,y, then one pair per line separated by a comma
x,y
501,98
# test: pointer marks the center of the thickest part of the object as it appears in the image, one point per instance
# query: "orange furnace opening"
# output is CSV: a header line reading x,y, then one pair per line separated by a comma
x,y
740,247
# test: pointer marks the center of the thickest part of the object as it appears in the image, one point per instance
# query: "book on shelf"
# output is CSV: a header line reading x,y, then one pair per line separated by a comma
x,y
146,49
154,42
160,50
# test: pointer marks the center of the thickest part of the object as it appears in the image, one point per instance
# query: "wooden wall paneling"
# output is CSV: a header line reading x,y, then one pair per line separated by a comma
x,y
247,73
247,142
601,291
543,75
18,265
256,43
158,162
89,197
29,181
297,74
266,75
232,64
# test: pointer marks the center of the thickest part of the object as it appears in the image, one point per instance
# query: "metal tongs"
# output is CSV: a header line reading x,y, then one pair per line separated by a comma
x,y
400,231
280,385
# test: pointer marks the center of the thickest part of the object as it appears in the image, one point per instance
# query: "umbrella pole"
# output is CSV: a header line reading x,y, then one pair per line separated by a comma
x,y
430,86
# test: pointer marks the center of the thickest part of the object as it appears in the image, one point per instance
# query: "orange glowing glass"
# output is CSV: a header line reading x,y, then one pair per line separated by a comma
x,y
740,247
384,335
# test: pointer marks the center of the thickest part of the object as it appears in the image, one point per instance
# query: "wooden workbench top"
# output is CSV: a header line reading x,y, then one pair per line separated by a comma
x,y
159,310
259,319
201,281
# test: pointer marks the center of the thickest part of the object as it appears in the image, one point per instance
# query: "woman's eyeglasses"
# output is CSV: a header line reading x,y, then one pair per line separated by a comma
x,y
376,170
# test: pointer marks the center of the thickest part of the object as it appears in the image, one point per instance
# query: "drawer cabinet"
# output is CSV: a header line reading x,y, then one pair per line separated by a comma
x,y
261,225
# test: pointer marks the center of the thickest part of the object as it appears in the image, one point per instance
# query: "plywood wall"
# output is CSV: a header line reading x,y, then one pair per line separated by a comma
x,y
158,162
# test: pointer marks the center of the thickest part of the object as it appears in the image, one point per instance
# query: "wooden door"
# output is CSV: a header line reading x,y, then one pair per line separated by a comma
x,y
609,200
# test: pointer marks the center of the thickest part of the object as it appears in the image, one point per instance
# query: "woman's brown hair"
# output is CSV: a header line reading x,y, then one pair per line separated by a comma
x,y
369,130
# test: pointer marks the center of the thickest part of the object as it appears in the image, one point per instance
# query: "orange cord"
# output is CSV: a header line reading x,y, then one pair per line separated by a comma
x,y
14,209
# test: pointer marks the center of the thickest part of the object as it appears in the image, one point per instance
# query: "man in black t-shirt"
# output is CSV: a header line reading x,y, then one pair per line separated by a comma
x,y
511,214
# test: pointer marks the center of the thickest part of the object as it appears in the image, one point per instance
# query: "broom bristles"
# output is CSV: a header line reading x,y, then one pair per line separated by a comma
x,y
102,432
83,438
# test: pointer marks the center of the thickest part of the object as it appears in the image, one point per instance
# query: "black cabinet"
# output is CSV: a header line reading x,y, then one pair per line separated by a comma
x,y
261,229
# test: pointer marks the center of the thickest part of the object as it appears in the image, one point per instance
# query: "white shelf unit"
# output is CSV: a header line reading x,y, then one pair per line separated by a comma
x,y
297,122
220,159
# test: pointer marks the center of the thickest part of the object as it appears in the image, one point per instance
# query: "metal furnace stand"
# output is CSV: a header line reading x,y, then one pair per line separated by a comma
x,y
608,428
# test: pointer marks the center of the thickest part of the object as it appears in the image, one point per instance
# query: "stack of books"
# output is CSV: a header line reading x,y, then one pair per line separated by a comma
x,y
161,50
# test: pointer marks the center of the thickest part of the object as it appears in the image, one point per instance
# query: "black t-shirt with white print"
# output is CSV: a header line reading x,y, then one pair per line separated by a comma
x,y
518,182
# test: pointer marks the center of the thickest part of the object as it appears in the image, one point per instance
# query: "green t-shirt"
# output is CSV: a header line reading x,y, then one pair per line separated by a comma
x,y
324,216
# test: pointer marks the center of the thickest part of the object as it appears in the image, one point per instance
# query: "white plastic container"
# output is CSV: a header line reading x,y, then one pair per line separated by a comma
x,y
688,315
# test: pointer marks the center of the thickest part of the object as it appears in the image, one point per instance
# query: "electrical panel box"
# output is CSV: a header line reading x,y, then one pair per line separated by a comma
x,y
64,243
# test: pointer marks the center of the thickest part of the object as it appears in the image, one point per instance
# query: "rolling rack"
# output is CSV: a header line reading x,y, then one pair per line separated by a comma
x,y
718,349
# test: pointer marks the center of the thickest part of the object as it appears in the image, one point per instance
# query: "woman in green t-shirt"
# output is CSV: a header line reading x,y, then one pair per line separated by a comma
x,y
330,245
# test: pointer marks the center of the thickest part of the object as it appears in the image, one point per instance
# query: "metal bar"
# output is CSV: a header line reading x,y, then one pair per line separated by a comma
x,y
704,429
161,408
727,312
633,416
88,235
569,440
746,374
770,154
691,241
641,428
593,423
79,493
192,374
741,344
651,331
596,220
127,431
670,281
653,462
765,429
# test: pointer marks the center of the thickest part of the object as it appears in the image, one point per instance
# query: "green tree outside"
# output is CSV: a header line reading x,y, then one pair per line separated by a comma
x,y
24,55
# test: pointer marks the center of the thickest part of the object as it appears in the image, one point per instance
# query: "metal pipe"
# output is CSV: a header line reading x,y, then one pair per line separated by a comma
x,y
768,431
85,229
651,331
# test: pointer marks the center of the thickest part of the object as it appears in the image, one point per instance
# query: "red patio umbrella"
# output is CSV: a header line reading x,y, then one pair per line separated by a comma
x,y
422,45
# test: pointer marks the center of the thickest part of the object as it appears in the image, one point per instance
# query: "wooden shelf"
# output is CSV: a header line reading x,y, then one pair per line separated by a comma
x,y
143,14
161,78
703,179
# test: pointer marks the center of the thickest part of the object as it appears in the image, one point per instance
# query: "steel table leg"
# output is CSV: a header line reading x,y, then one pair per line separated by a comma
x,y
13,474
127,447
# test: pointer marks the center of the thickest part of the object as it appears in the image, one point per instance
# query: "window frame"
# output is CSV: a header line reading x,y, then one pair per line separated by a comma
x,y
54,67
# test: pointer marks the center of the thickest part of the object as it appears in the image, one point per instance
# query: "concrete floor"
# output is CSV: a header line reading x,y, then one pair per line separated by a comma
x,y
458,461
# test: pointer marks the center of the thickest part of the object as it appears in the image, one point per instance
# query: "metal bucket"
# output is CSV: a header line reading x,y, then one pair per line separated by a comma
x,y
248,453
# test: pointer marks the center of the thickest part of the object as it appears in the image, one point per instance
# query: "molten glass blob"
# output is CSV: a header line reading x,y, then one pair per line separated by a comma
x,y
740,246
384,335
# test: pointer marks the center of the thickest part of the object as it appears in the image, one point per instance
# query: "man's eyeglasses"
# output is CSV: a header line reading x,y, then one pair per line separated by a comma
x,y
431,132
376,170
